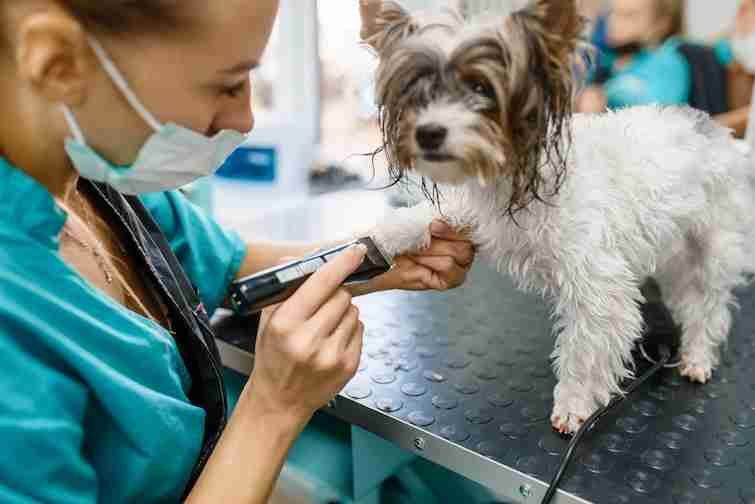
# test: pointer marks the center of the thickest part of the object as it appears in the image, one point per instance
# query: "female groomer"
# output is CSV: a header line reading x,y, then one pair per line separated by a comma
x,y
109,383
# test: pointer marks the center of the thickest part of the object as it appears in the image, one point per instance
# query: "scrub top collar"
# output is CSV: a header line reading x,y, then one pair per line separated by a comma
x,y
27,206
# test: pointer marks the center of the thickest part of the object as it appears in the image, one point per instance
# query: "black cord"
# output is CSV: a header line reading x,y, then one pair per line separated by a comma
x,y
665,356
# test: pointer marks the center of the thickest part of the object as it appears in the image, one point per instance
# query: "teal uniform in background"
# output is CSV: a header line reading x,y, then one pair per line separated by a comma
x,y
661,75
93,398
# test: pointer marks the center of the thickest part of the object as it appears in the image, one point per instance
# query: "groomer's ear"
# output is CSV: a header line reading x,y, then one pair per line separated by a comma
x,y
392,24
53,56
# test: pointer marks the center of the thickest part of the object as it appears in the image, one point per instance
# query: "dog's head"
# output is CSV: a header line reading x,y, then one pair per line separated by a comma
x,y
480,98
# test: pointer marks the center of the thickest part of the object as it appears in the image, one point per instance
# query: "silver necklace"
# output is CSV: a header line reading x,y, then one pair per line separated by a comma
x,y
94,250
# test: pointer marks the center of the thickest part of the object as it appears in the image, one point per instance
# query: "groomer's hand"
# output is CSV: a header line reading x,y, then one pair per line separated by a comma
x,y
442,266
310,346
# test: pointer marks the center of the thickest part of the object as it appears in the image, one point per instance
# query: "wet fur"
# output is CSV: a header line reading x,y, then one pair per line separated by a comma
x,y
581,209
524,65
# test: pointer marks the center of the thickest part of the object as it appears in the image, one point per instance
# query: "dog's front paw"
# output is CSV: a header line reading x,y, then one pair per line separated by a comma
x,y
571,407
405,230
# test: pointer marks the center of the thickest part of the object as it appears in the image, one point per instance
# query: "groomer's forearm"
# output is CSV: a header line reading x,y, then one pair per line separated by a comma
x,y
261,256
247,462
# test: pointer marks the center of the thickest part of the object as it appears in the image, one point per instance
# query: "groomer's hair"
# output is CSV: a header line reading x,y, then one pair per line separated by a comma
x,y
117,17
124,17
675,11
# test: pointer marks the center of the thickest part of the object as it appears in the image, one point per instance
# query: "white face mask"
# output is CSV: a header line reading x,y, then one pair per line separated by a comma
x,y
171,158
744,51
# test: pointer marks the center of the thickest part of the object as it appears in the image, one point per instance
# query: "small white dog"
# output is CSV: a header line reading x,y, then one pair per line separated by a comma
x,y
580,208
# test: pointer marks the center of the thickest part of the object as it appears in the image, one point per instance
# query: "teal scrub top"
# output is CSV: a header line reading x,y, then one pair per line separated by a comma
x,y
93,397
661,75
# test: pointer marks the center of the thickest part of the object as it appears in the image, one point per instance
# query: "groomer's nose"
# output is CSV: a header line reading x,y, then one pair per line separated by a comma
x,y
240,119
431,136
235,114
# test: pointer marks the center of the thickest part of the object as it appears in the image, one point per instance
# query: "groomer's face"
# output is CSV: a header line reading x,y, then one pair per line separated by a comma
x,y
199,79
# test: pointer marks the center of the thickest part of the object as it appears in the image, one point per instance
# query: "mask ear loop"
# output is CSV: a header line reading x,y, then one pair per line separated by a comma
x,y
122,85
73,125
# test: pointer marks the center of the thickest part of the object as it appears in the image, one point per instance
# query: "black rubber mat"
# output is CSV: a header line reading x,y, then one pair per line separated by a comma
x,y
472,367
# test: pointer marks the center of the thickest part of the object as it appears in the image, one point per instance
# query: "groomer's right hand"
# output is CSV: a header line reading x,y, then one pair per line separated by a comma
x,y
310,346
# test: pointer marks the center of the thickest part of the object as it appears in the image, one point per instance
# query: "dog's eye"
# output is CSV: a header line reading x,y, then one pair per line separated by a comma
x,y
482,89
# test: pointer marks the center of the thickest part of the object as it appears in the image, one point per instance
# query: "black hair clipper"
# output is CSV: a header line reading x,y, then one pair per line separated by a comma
x,y
254,293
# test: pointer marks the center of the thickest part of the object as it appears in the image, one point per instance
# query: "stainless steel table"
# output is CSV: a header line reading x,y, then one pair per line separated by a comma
x,y
464,380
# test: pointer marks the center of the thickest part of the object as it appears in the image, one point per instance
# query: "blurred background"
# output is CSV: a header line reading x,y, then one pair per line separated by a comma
x,y
316,119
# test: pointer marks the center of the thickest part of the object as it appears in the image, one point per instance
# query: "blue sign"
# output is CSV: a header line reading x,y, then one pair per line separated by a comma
x,y
258,164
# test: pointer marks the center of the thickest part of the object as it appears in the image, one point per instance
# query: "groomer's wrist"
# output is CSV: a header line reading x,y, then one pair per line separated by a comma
x,y
378,284
256,404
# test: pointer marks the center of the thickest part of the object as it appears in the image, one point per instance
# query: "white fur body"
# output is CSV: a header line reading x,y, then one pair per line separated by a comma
x,y
650,191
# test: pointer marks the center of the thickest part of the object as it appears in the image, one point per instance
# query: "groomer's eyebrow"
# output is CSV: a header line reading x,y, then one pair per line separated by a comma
x,y
244,66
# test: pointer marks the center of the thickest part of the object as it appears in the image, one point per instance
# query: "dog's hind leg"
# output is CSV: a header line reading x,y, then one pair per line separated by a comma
x,y
599,320
698,289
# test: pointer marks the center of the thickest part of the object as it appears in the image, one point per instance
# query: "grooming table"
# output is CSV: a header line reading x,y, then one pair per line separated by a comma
x,y
463,379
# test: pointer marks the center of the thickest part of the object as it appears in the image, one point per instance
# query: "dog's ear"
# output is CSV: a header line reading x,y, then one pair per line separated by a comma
x,y
392,24
557,15
560,19
540,44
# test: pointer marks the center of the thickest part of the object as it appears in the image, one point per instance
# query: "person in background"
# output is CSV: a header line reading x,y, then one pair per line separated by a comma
x,y
641,64
738,52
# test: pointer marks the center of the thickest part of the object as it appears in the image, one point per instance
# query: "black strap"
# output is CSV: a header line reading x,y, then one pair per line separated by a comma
x,y
193,335
709,90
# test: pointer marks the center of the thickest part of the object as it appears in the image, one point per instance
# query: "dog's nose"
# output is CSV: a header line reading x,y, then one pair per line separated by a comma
x,y
431,136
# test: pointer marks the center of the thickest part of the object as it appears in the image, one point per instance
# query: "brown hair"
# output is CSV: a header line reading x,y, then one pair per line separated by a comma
x,y
675,11
116,17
